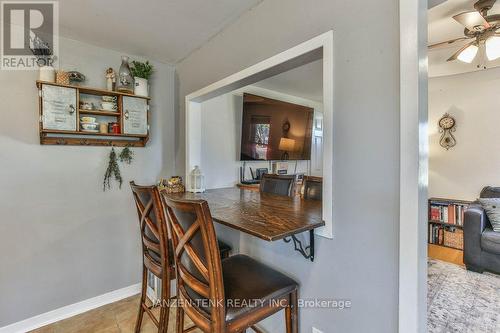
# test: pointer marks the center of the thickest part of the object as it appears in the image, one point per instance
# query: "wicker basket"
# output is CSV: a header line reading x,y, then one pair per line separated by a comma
x,y
62,77
454,238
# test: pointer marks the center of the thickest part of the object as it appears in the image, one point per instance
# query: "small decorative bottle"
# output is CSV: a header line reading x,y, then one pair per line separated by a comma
x,y
125,79
196,180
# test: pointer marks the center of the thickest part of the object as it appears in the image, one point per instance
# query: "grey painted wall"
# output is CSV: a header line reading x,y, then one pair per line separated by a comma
x,y
361,262
63,240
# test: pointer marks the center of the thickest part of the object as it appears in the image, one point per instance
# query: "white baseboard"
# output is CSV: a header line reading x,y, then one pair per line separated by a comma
x,y
70,310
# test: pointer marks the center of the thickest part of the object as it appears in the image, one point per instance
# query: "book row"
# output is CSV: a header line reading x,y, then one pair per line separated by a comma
x,y
451,214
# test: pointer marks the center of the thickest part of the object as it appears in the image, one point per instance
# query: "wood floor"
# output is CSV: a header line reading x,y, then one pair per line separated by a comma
x,y
118,317
446,254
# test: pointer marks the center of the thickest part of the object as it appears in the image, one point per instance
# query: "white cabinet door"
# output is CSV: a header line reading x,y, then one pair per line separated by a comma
x,y
135,115
58,108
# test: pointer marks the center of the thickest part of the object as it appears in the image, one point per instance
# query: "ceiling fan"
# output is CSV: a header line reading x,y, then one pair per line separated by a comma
x,y
480,29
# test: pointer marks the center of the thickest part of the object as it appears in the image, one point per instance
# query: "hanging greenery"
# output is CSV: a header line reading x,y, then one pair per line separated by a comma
x,y
112,170
127,155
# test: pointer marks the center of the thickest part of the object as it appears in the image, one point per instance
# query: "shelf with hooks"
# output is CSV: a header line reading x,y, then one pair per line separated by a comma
x,y
61,112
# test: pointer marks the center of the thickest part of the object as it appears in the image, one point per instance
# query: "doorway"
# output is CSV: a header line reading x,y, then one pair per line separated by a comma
x,y
318,48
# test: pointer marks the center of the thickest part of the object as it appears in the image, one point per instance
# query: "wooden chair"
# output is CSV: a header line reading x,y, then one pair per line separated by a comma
x,y
156,251
278,184
209,288
312,188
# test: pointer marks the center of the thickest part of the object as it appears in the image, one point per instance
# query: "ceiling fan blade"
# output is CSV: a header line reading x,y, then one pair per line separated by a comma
x,y
455,55
472,19
446,43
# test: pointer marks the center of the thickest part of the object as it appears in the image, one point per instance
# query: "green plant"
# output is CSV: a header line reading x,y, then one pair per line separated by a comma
x,y
126,156
112,170
141,69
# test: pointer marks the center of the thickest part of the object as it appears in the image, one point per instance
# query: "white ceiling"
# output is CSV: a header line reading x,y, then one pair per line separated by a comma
x,y
164,30
305,81
443,27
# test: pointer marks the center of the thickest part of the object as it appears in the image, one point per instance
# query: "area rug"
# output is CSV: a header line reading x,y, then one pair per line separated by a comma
x,y
462,301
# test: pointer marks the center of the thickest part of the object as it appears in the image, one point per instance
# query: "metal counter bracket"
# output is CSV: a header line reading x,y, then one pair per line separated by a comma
x,y
308,251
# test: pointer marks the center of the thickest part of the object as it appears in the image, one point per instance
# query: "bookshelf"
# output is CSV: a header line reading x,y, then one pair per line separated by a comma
x,y
446,219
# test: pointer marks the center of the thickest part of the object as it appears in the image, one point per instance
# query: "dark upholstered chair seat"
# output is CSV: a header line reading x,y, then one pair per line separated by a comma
x,y
490,241
246,279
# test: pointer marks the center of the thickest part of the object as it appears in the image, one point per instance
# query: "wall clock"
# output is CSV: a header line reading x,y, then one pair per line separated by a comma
x,y
446,127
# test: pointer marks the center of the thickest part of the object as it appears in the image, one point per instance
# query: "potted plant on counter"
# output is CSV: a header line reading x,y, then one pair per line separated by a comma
x,y
141,71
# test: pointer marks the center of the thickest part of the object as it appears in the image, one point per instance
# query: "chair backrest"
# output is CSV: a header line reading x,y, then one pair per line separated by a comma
x,y
278,184
197,258
153,226
312,188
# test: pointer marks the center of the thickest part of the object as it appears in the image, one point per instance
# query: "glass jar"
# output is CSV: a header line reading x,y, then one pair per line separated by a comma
x,y
125,79
196,180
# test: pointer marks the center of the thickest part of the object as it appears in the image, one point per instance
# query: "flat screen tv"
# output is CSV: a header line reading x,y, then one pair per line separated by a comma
x,y
274,130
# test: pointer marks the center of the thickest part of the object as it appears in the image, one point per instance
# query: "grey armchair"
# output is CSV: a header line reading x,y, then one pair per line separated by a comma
x,y
481,243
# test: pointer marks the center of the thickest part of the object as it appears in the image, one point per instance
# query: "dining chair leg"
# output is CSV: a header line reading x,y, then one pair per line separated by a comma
x,y
164,312
292,314
165,305
180,319
138,323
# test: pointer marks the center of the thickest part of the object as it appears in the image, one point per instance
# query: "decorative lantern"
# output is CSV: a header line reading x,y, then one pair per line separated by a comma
x,y
125,79
196,180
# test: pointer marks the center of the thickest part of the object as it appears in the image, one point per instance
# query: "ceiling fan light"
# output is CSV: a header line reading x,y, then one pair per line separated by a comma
x,y
493,48
468,54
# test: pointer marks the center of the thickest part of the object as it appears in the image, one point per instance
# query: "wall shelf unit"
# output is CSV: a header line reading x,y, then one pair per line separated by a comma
x,y
60,113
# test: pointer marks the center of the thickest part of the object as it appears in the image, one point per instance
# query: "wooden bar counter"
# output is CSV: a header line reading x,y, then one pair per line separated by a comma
x,y
267,216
